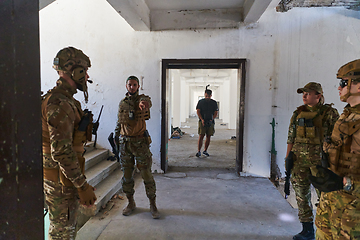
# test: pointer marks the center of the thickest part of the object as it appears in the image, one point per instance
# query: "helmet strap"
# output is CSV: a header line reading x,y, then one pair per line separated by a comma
x,y
83,88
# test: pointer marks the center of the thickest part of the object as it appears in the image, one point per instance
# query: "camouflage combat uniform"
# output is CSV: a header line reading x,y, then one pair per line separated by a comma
x,y
338,213
307,151
134,145
63,162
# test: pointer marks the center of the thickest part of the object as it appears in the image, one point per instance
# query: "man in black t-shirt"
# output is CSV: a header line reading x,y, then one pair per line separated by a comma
x,y
207,110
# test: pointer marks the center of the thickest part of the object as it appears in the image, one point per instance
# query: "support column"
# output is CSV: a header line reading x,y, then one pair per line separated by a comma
x,y
21,184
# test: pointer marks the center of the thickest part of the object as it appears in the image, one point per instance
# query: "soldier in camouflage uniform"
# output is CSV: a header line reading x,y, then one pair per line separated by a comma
x,y
338,213
63,144
309,124
133,142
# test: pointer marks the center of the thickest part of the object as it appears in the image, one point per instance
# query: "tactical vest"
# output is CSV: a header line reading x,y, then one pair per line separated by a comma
x,y
309,125
129,111
53,172
341,160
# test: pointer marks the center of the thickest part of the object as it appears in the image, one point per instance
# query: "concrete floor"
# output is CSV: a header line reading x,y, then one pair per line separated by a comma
x,y
199,204
200,198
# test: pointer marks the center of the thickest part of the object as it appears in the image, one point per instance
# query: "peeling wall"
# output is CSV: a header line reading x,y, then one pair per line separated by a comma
x,y
286,5
284,52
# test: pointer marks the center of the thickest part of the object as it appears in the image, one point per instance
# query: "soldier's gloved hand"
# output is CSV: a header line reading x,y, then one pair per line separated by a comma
x,y
87,195
328,182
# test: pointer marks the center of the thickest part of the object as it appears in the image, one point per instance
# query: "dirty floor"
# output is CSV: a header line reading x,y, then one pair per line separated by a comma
x,y
200,198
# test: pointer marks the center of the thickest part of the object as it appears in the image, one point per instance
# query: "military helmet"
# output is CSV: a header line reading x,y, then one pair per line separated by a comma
x,y
74,62
350,70
70,57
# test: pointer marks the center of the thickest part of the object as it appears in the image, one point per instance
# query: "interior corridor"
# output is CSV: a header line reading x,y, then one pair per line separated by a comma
x,y
222,149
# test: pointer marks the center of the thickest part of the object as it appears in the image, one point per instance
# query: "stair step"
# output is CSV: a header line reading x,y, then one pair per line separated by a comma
x,y
89,146
94,157
107,188
100,171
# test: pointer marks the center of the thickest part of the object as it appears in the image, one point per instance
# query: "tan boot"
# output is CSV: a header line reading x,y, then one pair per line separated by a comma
x,y
130,207
153,209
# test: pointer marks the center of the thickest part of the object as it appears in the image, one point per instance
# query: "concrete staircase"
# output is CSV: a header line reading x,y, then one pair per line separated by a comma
x,y
102,174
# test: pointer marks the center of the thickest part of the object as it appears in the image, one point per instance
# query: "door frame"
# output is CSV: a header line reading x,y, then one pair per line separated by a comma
x,y
167,64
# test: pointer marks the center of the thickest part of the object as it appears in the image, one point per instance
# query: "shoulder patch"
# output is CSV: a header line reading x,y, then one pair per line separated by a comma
x,y
58,108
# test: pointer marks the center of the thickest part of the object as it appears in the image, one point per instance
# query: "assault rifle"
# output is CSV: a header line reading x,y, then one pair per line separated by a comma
x,y
289,164
96,126
324,155
114,148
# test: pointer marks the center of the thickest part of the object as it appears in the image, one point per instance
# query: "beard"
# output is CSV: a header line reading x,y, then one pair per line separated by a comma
x,y
133,92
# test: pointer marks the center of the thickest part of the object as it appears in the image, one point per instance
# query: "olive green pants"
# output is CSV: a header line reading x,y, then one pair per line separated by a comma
x,y
136,151
63,207
338,215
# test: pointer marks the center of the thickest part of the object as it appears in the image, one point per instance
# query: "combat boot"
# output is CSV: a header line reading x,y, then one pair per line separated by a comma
x,y
130,207
153,209
307,233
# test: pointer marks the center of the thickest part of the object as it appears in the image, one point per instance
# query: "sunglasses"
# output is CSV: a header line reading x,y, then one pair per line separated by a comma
x,y
343,83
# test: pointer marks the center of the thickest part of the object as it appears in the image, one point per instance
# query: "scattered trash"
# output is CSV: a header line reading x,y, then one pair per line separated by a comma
x,y
176,132
233,137
175,135
222,124
186,126
192,135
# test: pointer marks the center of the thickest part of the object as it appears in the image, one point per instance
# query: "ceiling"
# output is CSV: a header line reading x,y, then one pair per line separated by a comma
x,y
160,15
155,15
199,78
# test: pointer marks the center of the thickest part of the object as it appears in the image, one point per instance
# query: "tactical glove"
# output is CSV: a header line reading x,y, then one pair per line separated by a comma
x,y
328,182
87,195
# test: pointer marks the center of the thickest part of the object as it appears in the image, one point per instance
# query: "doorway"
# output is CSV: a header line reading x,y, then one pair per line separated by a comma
x,y
178,108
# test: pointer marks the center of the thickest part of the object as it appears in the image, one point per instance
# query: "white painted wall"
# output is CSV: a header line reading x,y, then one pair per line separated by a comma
x,y
234,103
176,103
284,52
224,101
184,99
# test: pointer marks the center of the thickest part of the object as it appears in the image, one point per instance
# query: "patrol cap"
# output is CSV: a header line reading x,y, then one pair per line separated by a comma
x,y
133,78
311,86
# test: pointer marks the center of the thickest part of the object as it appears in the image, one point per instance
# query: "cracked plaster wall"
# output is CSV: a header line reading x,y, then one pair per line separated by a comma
x,y
284,52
